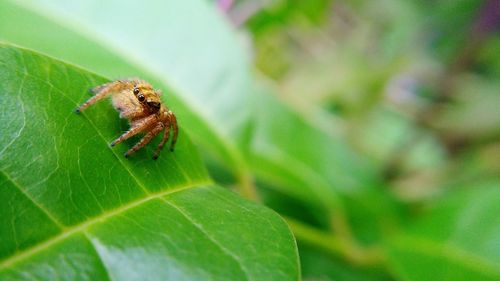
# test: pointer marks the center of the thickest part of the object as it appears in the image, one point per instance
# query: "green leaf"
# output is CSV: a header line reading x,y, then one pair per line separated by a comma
x,y
456,240
183,46
75,209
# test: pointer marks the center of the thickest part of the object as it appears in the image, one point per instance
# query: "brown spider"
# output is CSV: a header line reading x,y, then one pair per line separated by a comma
x,y
137,101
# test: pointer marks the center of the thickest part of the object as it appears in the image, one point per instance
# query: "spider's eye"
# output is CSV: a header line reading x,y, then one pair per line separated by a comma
x,y
141,97
136,91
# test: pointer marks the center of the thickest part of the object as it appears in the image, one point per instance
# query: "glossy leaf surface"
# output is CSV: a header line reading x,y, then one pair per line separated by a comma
x,y
75,209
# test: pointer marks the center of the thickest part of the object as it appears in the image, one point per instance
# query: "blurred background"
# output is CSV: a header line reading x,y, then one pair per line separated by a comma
x,y
413,86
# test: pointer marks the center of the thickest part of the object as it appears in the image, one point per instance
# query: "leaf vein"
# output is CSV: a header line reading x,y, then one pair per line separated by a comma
x,y
24,118
202,230
40,207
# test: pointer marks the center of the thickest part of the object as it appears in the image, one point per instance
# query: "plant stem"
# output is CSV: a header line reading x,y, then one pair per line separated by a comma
x,y
246,186
336,245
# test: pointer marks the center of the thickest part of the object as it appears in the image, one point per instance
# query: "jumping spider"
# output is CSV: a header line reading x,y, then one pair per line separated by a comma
x,y
137,101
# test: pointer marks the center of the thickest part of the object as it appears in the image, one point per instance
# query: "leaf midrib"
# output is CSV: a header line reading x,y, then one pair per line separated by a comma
x,y
102,217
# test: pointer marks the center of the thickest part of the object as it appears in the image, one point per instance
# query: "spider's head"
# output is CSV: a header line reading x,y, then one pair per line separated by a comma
x,y
148,97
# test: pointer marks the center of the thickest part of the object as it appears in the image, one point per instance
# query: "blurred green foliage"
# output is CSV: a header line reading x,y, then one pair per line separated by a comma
x,y
412,87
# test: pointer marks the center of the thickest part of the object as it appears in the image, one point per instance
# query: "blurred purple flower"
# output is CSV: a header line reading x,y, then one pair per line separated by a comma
x,y
225,5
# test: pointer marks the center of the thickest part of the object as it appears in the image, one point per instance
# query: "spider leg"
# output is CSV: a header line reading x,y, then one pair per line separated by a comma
x,y
145,140
173,123
138,127
166,136
131,114
101,92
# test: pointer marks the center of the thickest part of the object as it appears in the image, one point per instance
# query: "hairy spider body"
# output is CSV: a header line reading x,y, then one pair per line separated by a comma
x,y
140,104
